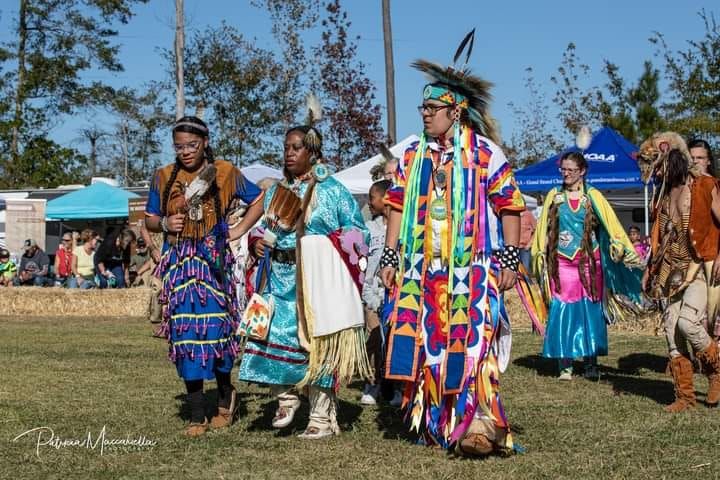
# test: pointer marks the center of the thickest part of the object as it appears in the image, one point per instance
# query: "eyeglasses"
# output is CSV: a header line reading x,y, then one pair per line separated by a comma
x,y
191,147
432,109
568,170
67,239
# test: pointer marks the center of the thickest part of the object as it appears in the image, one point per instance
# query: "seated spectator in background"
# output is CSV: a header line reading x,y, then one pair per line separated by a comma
x,y
34,265
528,224
641,247
83,267
63,260
8,269
141,264
112,259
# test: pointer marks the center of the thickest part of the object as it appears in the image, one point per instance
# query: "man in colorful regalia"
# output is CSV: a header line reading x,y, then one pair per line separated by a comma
x,y
684,263
451,250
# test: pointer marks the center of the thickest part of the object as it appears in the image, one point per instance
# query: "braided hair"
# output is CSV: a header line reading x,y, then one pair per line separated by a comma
x,y
587,268
195,126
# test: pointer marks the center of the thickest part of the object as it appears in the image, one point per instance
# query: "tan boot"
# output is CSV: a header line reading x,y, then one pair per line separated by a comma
x,y
197,429
710,360
682,372
225,416
481,439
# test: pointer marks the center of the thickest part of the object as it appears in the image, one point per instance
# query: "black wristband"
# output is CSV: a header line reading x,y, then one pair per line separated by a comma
x,y
389,258
509,258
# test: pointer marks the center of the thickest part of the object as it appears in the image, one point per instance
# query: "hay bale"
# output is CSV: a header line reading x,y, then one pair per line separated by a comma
x,y
519,318
64,302
647,324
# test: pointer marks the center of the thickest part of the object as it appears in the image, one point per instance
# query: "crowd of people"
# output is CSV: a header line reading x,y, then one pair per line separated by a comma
x,y
412,298
84,261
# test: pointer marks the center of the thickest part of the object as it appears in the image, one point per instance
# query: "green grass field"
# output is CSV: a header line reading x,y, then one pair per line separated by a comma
x,y
76,376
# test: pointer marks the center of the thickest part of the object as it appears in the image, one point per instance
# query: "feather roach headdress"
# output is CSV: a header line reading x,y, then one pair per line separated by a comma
x,y
200,111
583,138
458,86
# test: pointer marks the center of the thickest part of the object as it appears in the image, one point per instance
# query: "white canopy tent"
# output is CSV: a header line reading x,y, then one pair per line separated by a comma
x,y
357,178
258,171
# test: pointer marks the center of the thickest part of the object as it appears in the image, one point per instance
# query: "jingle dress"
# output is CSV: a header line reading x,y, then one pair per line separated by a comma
x,y
200,312
280,359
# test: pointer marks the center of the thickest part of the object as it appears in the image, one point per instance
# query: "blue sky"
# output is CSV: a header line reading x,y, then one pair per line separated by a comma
x,y
510,36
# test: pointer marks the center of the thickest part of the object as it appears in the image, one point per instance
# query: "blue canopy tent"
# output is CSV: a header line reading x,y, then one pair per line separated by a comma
x,y
95,201
611,166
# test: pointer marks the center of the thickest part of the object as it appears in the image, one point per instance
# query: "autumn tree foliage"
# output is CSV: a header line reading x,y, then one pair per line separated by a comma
x,y
352,117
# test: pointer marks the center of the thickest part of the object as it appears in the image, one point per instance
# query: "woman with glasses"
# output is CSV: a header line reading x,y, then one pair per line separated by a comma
x,y
188,202
580,252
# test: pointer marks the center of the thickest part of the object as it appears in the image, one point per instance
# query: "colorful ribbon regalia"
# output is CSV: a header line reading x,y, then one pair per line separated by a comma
x,y
448,315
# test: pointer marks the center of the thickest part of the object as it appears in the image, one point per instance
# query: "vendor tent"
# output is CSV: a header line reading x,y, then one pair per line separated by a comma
x,y
611,166
98,200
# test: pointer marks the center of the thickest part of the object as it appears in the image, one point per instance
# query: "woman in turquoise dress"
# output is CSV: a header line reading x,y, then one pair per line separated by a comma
x,y
282,360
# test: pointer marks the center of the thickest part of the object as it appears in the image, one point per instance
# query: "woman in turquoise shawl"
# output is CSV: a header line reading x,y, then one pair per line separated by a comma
x,y
582,256
289,356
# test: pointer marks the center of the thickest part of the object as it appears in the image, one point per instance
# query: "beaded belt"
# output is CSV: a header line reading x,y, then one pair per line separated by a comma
x,y
283,256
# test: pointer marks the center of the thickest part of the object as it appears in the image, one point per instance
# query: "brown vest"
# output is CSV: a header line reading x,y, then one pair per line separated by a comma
x,y
704,229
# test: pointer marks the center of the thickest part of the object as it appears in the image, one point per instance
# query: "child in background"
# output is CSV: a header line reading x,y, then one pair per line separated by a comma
x,y
373,289
8,269
642,248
